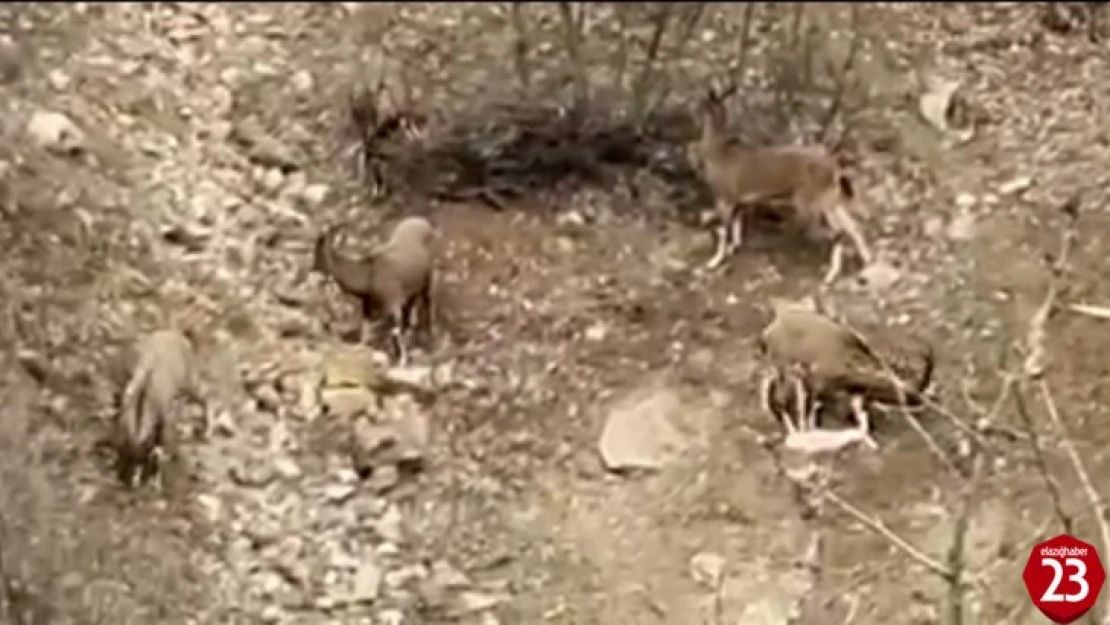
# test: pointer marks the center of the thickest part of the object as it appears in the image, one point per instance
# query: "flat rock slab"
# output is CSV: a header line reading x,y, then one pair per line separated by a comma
x,y
640,431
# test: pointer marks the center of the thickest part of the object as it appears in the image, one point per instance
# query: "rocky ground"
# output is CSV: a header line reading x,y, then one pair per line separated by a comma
x,y
163,159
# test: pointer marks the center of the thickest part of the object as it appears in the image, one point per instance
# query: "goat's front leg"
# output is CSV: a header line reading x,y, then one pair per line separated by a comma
x,y
765,389
836,264
807,418
863,420
194,395
736,229
365,328
424,303
156,468
398,334
846,226
400,345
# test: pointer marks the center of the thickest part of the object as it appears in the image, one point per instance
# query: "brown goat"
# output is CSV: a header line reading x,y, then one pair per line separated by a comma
x,y
806,178
836,366
165,371
396,278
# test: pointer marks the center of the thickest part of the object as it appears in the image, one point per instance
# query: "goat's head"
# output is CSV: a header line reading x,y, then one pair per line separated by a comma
x,y
713,101
416,229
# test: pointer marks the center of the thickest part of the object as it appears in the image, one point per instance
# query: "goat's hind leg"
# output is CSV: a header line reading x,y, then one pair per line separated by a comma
x,y
727,234
426,318
398,335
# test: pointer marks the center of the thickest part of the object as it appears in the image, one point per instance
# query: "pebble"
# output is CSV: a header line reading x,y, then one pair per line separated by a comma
x,y
389,526
366,583
339,493
314,195
302,81
707,569
55,132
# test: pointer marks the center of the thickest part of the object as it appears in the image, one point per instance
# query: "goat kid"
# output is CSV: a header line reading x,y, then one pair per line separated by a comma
x,y
396,278
807,179
164,373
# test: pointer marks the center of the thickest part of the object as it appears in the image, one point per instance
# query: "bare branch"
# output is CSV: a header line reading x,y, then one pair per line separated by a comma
x,y
809,484
791,91
1077,464
956,562
643,82
520,46
1094,500
690,18
965,509
745,44
572,40
620,66
1036,362
837,100
1041,462
1033,370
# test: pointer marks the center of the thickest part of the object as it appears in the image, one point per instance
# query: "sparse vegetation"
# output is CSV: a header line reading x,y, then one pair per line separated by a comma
x,y
213,155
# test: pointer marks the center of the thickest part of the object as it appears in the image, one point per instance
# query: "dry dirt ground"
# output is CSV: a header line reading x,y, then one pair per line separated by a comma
x,y
553,318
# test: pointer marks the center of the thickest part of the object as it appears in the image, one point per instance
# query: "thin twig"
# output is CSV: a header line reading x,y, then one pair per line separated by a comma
x,y
877,526
1041,463
930,442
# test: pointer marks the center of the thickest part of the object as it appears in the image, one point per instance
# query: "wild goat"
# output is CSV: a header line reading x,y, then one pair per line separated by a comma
x,y
165,371
821,364
807,178
396,278
373,129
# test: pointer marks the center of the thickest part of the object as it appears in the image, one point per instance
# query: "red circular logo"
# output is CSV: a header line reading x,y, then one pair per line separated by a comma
x,y
1064,577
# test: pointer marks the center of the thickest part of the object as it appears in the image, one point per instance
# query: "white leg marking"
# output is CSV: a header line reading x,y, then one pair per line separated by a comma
x,y
722,244
397,334
864,421
736,225
836,264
